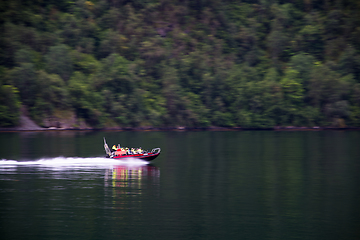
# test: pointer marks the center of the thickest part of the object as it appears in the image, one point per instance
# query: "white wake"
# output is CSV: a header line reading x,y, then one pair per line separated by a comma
x,y
72,162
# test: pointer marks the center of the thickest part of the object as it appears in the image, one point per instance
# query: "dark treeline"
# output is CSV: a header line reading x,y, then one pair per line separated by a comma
x,y
246,63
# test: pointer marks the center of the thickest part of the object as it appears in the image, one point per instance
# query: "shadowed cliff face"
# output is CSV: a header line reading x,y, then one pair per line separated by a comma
x,y
60,120
27,124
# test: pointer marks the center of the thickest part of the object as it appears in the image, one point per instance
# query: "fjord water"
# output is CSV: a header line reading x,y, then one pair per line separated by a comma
x,y
204,185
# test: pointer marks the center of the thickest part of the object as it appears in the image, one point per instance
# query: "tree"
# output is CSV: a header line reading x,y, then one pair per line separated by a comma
x,y
328,90
86,102
293,95
309,38
114,75
52,90
58,61
303,64
349,63
9,106
24,78
175,106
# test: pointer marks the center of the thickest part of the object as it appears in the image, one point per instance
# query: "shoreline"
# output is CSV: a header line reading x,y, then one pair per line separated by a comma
x,y
121,129
26,124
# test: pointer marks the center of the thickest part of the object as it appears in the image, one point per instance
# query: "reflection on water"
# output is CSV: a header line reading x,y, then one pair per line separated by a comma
x,y
125,176
128,182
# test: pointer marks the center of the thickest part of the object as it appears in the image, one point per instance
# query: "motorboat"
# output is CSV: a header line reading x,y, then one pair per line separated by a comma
x,y
125,153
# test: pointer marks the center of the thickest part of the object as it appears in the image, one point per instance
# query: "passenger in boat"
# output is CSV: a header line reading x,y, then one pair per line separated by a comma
x,y
114,148
123,151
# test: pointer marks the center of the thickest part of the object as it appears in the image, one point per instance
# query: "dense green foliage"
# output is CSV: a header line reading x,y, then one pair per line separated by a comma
x,y
247,63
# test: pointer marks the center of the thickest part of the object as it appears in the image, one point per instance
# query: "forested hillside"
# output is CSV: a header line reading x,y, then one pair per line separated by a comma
x,y
246,63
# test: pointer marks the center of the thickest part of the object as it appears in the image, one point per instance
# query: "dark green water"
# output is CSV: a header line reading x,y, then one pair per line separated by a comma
x,y
204,185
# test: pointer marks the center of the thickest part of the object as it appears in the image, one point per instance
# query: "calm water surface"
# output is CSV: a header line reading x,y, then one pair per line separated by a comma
x,y
204,185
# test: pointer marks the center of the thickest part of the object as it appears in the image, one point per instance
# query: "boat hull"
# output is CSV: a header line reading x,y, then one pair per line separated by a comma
x,y
148,157
121,155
